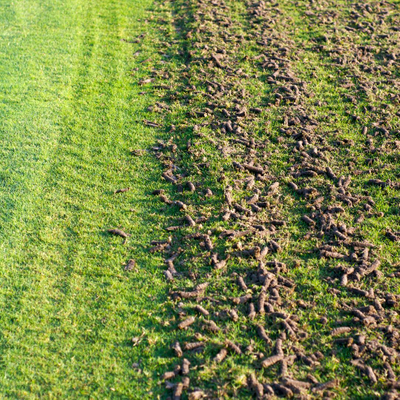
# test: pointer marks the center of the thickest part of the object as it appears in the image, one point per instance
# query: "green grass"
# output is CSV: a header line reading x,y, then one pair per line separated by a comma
x,y
70,112
71,109
313,275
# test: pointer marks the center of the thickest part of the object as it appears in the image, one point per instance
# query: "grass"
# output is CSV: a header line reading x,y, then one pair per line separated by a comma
x,y
70,112
314,276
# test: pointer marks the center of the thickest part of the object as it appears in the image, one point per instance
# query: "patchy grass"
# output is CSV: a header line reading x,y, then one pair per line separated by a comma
x,y
189,92
71,110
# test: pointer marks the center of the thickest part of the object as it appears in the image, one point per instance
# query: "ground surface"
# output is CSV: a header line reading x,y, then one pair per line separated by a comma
x,y
69,114
271,133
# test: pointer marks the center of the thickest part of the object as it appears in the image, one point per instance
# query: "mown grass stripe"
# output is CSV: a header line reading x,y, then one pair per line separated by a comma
x,y
70,114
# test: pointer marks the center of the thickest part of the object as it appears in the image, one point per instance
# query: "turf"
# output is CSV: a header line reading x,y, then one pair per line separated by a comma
x,y
77,80
70,112
196,101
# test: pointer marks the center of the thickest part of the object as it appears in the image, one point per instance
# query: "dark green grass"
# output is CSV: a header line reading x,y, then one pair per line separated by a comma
x,y
313,275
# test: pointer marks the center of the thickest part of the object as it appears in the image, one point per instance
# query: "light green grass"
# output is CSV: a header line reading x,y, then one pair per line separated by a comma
x,y
69,114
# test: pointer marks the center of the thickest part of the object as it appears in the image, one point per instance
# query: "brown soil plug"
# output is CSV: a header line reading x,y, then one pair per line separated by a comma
x,y
211,326
327,385
220,356
186,323
168,375
185,366
242,283
263,335
272,360
256,386
130,265
261,302
242,299
233,346
202,310
340,330
197,395
122,190
178,389
233,315
252,311
177,348
119,232
193,345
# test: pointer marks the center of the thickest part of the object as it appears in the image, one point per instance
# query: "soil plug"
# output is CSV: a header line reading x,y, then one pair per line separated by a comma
x,y
252,311
130,265
178,391
186,323
327,385
122,190
263,335
340,330
272,360
211,326
220,356
119,232
185,367
197,395
177,348
261,302
233,346
202,310
256,386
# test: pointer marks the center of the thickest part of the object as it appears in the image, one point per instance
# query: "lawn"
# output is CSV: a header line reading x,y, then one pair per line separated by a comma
x,y
71,112
273,130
